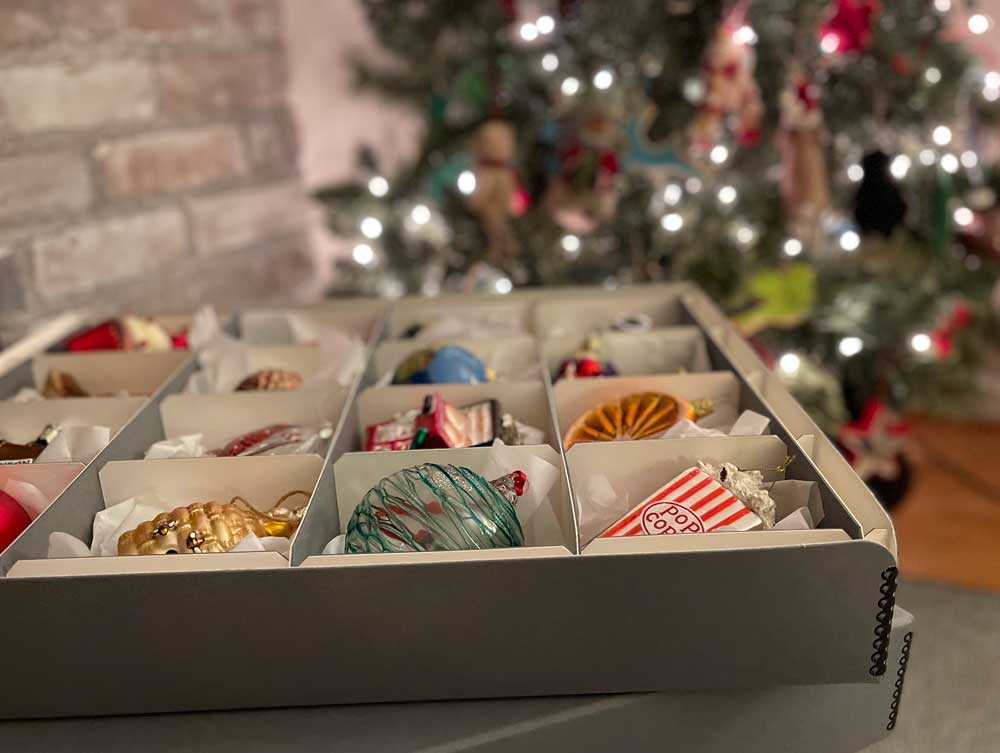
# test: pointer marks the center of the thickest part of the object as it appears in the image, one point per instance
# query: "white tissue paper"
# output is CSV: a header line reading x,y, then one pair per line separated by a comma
x,y
29,496
225,361
599,506
749,424
111,522
27,395
186,446
76,444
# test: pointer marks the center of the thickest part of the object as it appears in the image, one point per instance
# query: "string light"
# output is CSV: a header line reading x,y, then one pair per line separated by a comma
x,y
969,159
672,222
849,241
921,342
830,43
790,363
604,78
979,24
991,93
545,24
942,135
571,245
371,228
745,35
949,163
570,86
719,154
992,79
850,346
503,285
727,195
932,75
466,182
963,216
927,157
693,185
855,173
363,254
420,214
550,62
900,166
529,32
745,235
673,193
378,186
942,6
792,247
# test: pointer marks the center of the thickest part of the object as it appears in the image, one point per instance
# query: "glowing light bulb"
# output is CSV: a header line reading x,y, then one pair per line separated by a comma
x,y
728,195
900,166
571,245
570,86
529,32
673,193
550,61
363,254
604,78
969,159
963,216
830,42
932,75
545,24
420,214
991,93
921,342
371,227
672,222
503,285
693,185
942,6
719,154
790,363
850,346
378,186
849,241
949,163
792,247
745,235
979,23
992,79
855,173
745,35
927,157
466,182
942,135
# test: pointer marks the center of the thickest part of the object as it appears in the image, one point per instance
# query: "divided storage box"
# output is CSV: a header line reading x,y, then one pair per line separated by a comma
x,y
564,615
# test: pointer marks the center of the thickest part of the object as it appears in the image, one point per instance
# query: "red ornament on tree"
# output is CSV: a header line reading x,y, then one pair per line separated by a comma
x,y
848,28
13,520
942,336
874,443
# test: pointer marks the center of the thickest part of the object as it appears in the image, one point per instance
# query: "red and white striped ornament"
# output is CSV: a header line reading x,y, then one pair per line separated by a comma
x,y
692,502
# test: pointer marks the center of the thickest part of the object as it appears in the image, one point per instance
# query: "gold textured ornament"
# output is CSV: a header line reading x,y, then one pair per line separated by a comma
x,y
205,527
639,416
271,379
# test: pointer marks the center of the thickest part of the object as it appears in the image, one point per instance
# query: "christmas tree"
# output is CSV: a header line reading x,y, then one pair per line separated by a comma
x,y
812,164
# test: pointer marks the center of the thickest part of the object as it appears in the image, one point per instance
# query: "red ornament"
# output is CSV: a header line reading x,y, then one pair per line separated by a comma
x,y
13,520
874,443
942,336
105,336
848,28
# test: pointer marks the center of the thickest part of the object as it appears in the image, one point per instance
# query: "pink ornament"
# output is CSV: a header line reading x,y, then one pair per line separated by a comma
x,y
13,520
849,26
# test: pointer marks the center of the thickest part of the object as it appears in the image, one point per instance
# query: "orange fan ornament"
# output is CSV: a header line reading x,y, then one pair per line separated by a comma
x,y
643,415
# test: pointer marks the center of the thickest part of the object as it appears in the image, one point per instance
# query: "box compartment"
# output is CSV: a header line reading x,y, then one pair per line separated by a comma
x,y
361,318
514,358
666,350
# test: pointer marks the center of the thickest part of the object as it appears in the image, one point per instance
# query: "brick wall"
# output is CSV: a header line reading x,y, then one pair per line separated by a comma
x,y
147,156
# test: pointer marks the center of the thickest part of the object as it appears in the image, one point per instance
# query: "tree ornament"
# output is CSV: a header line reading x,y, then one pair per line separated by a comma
x,y
643,415
498,192
271,380
943,335
848,27
874,444
586,362
732,97
879,206
131,333
205,527
434,507
804,182
447,364
13,520
785,298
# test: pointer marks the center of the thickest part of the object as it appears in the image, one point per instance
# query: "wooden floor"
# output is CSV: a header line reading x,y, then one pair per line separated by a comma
x,y
947,532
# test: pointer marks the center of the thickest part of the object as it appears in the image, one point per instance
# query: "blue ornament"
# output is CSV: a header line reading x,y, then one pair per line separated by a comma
x,y
445,365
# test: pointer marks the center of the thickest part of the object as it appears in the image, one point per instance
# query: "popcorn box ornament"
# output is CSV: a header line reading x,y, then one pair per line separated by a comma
x,y
692,502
